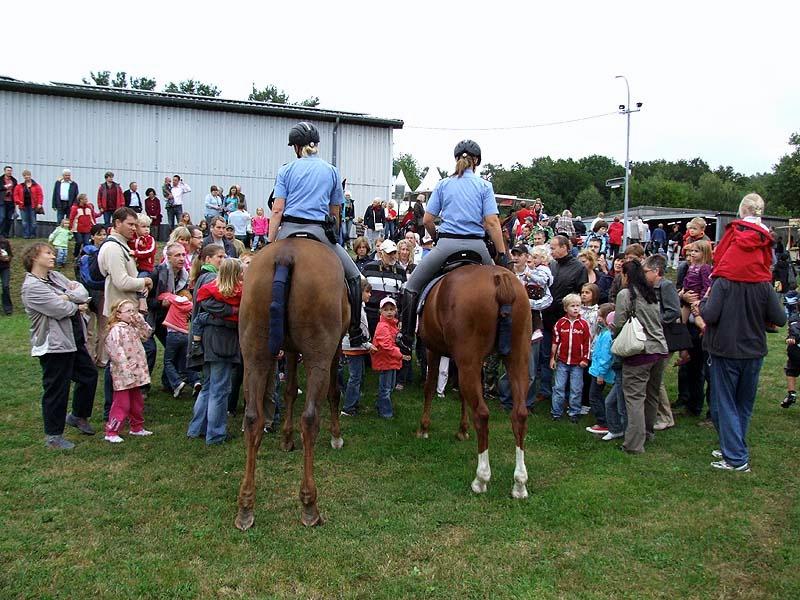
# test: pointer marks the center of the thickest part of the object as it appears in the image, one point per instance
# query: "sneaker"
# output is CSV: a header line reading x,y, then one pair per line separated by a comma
x,y
574,418
177,391
344,413
599,429
585,410
141,433
726,466
439,395
612,436
399,387
57,442
716,453
196,389
113,438
662,426
537,335
790,399
80,424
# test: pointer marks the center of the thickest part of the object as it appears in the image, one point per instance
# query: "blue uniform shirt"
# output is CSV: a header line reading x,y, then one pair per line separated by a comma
x,y
309,186
462,203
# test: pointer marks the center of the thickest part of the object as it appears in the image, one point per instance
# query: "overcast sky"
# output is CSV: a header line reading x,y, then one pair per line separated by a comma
x,y
718,80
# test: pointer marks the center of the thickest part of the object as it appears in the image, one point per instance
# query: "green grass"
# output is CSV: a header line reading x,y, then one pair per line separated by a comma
x,y
153,517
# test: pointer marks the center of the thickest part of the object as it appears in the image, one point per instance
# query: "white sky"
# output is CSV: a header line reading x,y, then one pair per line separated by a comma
x,y
718,80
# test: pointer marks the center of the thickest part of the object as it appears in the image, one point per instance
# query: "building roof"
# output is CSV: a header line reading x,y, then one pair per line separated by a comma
x,y
92,92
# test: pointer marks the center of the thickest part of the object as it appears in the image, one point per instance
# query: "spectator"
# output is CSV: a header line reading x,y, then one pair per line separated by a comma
x,y
166,191
65,195
240,220
178,190
29,198
564,225
60,238
53,304
361,248
601,370
185,220
659,239
194,244
231,201
217,236
8,207
6,254
238,245
615,234
387,357
569,357
143,247
642,373
391,220
260,226
348,214
569,275
152,206
96,326
82,218
213,204
386,277
169,277
132,197
595,275
675,245
405,256
176,323
109,198
374,219
356,359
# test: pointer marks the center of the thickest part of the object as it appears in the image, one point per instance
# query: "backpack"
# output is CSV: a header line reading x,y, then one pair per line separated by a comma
x,y
84,267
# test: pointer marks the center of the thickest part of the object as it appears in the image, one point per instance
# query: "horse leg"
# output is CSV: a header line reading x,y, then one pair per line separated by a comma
x,y
257,379
333,399
517,369
289,396
317,384
471,388
428,389
463,427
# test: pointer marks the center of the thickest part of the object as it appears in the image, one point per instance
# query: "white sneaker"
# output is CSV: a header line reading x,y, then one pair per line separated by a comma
x,y
537,335
177,391
439,395
140,433
612,436
716,454
726,466
585,410
114,439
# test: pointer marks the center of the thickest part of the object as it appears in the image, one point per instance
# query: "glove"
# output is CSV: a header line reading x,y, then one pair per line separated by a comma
x,y
502,260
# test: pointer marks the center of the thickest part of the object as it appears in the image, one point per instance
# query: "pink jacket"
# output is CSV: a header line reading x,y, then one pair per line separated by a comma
x,y
126,353
387,356
260,225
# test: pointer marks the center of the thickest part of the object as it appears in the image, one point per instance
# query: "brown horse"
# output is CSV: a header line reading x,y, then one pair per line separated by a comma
x,y
316,317
460,320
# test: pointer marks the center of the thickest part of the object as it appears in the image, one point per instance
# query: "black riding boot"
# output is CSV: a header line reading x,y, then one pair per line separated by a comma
x,y
357,337
408,323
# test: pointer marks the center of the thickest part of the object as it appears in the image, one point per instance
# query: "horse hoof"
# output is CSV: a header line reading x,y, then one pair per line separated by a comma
x,y
337,443
423,435
245,519
287,445
462,436
311,518
519,492
478,486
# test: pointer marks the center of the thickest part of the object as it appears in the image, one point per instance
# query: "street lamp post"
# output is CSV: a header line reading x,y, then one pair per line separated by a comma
x,y
626,110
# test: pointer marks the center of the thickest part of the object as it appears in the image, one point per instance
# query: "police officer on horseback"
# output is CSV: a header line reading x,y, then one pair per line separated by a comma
x,y
307,203
468,211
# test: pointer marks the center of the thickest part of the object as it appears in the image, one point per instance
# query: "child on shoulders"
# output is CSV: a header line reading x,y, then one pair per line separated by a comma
x,y
537,281
745,251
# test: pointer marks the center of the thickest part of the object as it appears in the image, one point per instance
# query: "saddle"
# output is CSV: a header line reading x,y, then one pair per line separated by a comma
x,y
304,235
458,259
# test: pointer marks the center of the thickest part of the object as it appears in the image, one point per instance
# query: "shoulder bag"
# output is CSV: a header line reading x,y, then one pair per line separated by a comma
x,y
676,333
630,341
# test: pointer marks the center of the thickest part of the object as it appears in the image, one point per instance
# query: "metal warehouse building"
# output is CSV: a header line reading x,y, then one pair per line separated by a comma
x,y
144,136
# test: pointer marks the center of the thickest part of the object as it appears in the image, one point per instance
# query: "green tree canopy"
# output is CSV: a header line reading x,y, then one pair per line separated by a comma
x,y
120,80
408,164
271,93
195,88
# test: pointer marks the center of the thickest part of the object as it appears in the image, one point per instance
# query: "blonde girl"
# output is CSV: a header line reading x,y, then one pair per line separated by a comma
x,y
590,295
127,330
697,278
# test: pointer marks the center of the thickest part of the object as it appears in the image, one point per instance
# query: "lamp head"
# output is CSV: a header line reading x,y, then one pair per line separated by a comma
x,y
622,107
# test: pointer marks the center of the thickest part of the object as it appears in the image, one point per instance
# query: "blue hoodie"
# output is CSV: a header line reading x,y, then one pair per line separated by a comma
x,y
602,359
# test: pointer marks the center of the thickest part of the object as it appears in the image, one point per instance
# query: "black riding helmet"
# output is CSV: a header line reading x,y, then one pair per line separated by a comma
x,y
467,147
303,134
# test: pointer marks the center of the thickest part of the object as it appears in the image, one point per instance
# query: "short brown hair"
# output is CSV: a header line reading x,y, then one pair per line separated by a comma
x,y
122,213
636,250
31,253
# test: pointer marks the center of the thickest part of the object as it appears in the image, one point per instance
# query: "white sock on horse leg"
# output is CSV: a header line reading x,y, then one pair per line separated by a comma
x,y
483,473
520,490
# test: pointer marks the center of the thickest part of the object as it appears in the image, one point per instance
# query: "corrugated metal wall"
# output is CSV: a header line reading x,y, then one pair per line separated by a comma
x,y
145,143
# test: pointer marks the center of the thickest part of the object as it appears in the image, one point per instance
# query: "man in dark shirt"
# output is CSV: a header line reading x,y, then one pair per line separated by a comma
x,y
7,207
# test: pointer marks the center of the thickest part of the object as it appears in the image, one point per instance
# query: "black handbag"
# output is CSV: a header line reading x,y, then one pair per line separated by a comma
x,y
675,333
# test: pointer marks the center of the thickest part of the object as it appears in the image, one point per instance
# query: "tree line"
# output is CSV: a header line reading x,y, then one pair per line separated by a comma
x,y
268,93
580,185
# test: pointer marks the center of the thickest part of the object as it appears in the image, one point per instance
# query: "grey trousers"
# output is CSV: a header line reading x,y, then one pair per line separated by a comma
x,y
641,386
350,268
430,265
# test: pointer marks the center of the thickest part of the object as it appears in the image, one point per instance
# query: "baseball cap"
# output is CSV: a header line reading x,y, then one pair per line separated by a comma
x,y
388,300
520,249
388,246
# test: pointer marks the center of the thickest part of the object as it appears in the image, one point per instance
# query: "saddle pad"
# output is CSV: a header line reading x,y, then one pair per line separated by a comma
x,y
427,290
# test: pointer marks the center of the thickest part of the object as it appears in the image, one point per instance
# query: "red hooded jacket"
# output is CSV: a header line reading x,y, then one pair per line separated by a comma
x,y
210,290
744,253
37,197
615,232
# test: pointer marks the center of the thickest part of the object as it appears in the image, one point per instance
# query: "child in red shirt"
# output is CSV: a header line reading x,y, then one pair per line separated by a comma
x,y
570,356
177,325
143,249
386,357
745,251
227,289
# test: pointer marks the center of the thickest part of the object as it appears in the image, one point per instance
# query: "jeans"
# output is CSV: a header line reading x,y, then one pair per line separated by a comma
x,y
28,222
596,401
57,372
175,360
62,211
256,239
504,388
545,373
5,276
734,383
386,381
107,214
61,257
209,415
405,374
352,393
173,214
81,240
6,218
573,373
389,229
616,413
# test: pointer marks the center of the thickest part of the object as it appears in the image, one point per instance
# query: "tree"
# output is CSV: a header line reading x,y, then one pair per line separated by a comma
x,y
143,83
194,88
784,185
271,93
589,201
408,164
101,78
312,101
120,80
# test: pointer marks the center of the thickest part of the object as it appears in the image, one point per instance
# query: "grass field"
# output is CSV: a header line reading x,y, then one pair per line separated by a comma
x,y
153,517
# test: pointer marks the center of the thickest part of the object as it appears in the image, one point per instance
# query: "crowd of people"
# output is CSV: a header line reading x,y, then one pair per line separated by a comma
x,y
605,319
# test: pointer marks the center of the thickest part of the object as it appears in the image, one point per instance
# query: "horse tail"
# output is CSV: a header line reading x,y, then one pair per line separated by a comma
x,y
281,282
504,295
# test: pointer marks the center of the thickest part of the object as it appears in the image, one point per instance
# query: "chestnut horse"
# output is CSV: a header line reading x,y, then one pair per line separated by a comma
x,y
316,315
462,319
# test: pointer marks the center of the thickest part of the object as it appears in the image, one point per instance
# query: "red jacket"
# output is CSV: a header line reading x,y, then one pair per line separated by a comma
x,y
572,340
144,251
615,231
37,197
387,356
688,239
81,218
744,253
110,200
210,290
179,312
